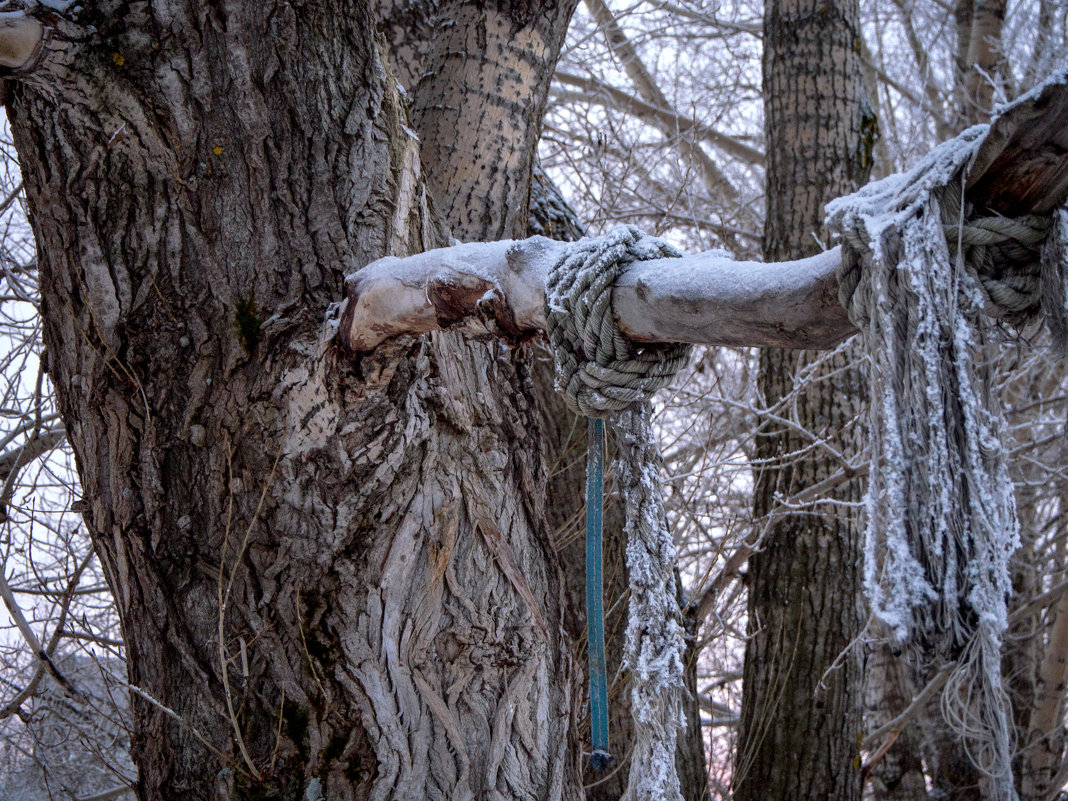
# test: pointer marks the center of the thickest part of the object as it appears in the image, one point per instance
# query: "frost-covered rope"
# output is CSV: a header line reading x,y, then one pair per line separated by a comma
x,y
598,369
919,274
1003,252
603,374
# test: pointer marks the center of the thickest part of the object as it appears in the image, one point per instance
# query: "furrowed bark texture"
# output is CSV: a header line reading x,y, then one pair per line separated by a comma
x,y
1044,755
979,24
1022,643
889,688
802,701
368,539
477,178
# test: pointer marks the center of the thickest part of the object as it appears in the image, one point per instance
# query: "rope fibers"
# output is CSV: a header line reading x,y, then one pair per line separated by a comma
x,y
602,374
922,275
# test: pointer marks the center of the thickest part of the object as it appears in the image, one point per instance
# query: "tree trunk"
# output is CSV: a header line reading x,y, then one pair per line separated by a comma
x,y
334,579
482,93
1022,643
802,700
979,24
889,689
487,87
1043,757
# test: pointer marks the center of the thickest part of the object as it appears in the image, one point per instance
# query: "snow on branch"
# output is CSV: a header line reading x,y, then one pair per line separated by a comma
x,y
1020,167
498,288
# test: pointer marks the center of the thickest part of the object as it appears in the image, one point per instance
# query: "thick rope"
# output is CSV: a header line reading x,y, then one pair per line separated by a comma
x,y
604,374
1003,252
598,369
921,275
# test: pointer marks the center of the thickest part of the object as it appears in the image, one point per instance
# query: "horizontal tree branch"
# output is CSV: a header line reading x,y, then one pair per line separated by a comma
x,y
706,298
498,288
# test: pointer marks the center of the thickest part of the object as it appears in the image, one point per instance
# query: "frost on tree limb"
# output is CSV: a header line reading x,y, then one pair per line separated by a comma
x,y
499,287
1021,168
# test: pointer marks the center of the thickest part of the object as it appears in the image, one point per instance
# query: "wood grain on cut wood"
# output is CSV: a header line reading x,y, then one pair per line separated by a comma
x,y
1022,167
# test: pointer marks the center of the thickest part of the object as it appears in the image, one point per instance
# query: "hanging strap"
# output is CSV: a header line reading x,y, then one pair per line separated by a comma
x,y
600,758
601,373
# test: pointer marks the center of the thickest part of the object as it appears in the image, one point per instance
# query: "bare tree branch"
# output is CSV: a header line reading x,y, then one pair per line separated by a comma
x,y
107,795
715,181
663,117
497,287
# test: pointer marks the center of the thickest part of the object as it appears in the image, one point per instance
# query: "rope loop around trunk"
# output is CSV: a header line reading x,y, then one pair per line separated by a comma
x,y
598,369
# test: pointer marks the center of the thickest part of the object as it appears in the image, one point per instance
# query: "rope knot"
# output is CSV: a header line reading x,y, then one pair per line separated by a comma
x,y
599,370
1003,253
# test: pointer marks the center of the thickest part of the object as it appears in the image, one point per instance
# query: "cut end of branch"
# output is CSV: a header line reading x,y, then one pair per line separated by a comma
x,y
20,36
477,287
1022,166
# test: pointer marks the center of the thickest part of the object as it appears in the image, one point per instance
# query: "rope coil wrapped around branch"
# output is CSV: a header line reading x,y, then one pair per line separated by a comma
x,y
922,276
598,369
603,374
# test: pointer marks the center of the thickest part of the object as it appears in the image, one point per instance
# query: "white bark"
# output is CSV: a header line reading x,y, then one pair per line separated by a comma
x,y
498,287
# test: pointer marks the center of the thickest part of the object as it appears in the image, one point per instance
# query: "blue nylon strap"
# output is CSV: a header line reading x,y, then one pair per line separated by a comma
x,y
594,594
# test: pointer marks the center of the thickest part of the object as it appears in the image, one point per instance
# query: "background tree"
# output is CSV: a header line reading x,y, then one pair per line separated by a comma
x,y
801,697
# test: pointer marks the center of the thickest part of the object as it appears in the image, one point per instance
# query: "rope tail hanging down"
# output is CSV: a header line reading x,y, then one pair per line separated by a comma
x,y
921,274
603,375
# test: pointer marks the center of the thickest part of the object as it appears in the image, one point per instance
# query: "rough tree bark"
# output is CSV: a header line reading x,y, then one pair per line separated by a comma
x,y
802,701
335,576
889,687
335,579
479,93
979,24
1043,770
